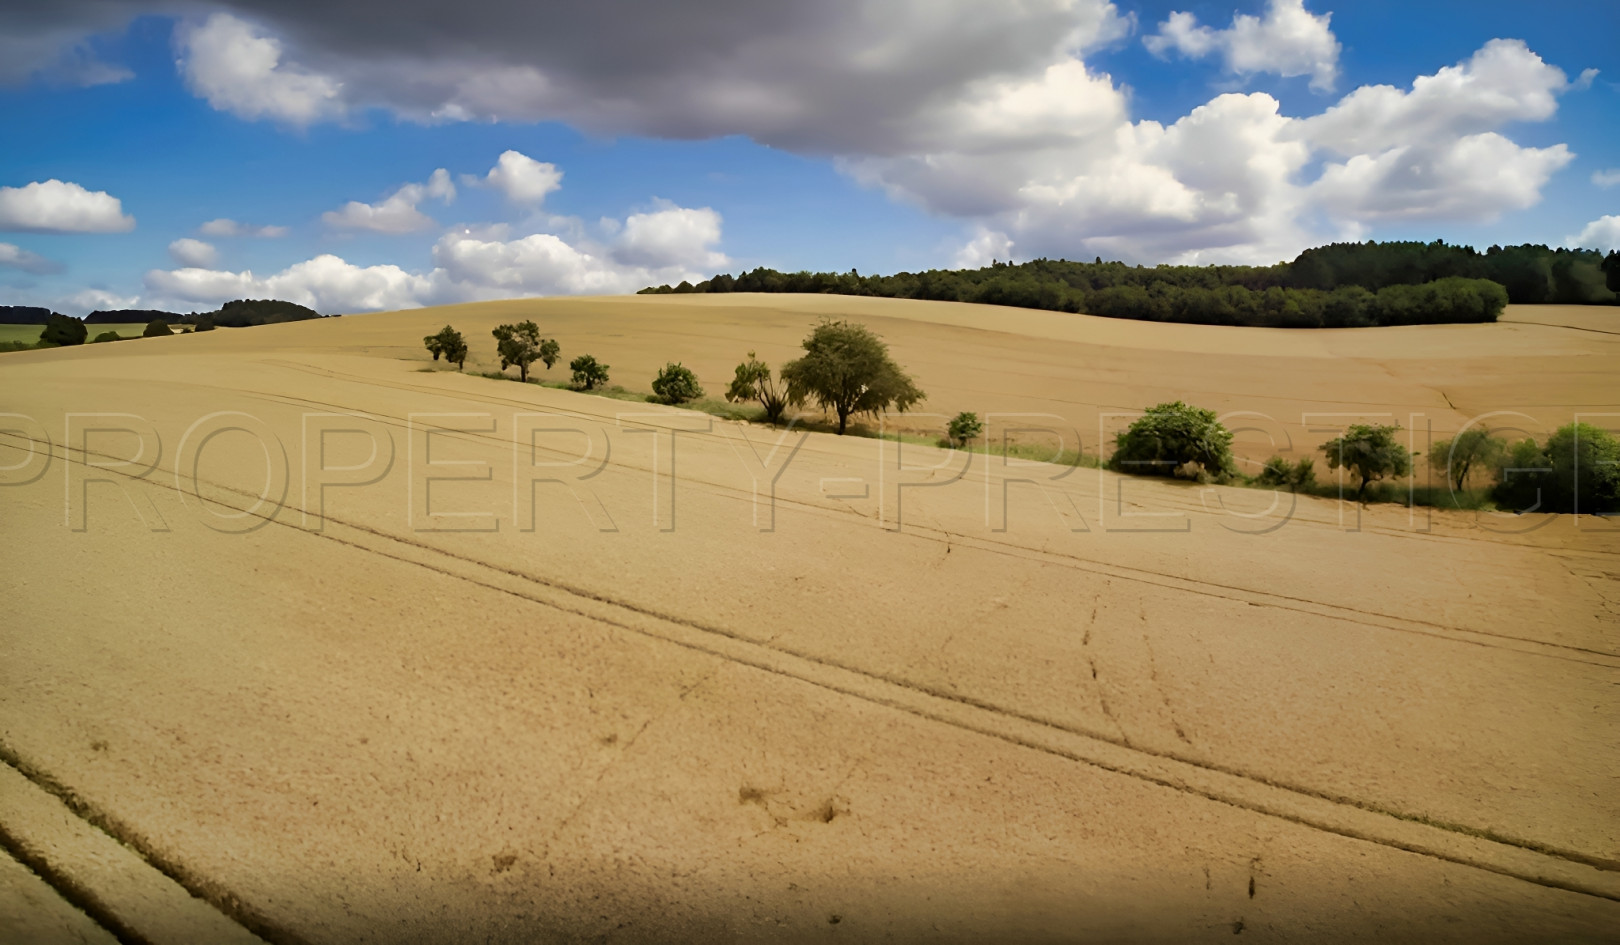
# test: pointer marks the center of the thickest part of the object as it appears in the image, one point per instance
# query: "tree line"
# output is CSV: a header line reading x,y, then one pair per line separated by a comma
x,y
1344,285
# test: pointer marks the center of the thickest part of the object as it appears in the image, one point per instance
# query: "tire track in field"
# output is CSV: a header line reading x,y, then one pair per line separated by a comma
x,y
1519,858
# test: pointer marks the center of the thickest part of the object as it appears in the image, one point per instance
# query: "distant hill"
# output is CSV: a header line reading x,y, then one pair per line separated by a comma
x,y
24,315
131,316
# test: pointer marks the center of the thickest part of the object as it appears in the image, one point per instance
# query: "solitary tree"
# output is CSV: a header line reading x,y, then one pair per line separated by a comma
x,y
754,382
847,369
157,328
549,352
1473,448
105,337
587,372
63,330
1169,436
518,344
676,384
1368,452
449,343
963,428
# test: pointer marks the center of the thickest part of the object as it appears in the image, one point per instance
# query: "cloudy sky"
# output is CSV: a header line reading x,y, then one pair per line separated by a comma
x,y
366,155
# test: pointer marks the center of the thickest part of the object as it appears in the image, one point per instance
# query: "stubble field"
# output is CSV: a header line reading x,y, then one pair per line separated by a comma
x,y
358,652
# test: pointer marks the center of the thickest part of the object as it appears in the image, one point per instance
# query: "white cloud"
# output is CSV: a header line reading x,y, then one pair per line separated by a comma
x,y
1474,179
193,253
13,256
55,206
91,300
472,263
523,179
1287,41
397,212
671,237
1606,178
986,247
228,228
238,69
1602,234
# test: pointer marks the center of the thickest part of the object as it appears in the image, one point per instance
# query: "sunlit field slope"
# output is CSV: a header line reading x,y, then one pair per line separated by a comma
x,y
362,652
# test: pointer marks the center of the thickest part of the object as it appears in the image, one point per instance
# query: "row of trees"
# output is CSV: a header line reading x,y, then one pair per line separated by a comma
x,y
518,345
1343,285
1577,469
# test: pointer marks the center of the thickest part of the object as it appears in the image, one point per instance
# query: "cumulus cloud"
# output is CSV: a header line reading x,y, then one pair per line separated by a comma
x,y
1474,178
523,179
238,68
1602,234
55,206
667,244
189,252
13,256
224,227
1606,178
1288,41
397,212
986,247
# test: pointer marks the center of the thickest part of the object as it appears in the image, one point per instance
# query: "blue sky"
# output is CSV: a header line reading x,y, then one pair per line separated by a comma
x,y
582,154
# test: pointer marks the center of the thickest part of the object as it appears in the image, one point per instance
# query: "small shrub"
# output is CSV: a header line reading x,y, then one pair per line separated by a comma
x,y
1278,473
964,428
157,328
105,337
588,373
203,322
1169,436
676,384
754,382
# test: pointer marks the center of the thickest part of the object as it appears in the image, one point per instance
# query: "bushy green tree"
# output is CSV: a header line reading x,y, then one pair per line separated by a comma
x,y
63,330
964,428
157,328
1370,453
676,384
1169,436
104,337
1472,449
846,368
449,343
588,373
1578,470
753,381
518,344
549,352
204,322
1279,473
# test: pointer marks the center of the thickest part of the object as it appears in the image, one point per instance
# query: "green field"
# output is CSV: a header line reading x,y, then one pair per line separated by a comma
x,y
30,333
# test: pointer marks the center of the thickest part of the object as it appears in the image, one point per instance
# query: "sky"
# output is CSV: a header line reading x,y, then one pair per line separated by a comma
x,y
371,155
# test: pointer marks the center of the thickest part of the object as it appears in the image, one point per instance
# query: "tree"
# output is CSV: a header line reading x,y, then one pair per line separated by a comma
x,y
675,384
846,368
549,352
1368,452
754,382
1169,436
587,372
157,328
1577,471
449,343
105,337
62,330
518,344
204,322
1611,270
963,428
1473,448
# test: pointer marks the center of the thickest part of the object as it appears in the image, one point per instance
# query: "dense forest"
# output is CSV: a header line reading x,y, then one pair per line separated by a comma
x,y
238,314
1342,285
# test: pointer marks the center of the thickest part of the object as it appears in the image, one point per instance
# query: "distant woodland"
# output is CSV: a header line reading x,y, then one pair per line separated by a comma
x,y
1343,285
238,314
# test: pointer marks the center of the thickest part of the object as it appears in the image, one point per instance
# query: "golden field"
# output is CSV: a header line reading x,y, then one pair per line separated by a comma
x,y
359,652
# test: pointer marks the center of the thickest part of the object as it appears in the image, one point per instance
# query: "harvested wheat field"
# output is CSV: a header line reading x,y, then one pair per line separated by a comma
x,y
357,652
